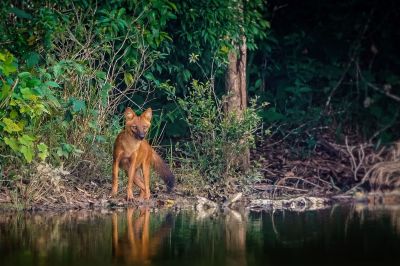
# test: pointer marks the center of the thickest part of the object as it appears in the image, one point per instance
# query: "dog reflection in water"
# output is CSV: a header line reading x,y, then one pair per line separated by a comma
x,y
135,243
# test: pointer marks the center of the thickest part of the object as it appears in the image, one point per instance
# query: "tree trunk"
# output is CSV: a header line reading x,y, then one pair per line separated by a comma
x,y
236,92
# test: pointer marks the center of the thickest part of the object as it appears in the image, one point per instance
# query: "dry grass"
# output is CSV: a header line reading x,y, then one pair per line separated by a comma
x,y
380,169
331,168
52,187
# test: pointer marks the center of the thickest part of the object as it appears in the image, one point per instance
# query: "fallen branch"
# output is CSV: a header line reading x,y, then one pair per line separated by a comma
x,y
296,204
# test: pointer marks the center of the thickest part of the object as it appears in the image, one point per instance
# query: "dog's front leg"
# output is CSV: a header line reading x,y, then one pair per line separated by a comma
x,y
131,177
115,169
146,179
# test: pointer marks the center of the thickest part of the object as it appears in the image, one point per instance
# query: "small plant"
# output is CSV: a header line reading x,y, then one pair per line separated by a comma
x,y
217,139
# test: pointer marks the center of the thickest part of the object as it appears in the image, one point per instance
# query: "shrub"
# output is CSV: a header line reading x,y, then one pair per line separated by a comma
x,y
26,100
217,139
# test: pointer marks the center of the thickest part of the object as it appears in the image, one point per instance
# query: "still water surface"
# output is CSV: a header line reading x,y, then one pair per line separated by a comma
x,y
342,235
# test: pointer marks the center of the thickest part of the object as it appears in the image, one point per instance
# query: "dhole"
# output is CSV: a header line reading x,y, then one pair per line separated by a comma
x,y
133,153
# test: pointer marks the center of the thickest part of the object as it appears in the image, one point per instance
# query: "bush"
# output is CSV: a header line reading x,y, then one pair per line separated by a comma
x,y
217,139
26,100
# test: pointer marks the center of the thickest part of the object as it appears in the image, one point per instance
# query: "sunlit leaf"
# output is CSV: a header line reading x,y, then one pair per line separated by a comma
x,y
26,140
27,152
128,78
12,143
43,151
10,126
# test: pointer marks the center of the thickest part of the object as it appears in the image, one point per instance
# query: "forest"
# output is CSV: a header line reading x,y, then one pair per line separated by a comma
x,y
271,99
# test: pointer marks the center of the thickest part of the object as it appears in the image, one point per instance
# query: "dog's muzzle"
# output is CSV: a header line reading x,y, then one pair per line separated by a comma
x,y
140,136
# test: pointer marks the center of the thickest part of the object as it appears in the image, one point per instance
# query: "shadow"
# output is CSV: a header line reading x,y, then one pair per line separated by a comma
x,y
133,243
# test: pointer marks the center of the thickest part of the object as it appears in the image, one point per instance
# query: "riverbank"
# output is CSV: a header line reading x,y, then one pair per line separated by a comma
x,y
332,173
92,196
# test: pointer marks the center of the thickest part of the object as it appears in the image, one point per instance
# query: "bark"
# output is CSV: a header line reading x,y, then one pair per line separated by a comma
x,y
236,92
236,99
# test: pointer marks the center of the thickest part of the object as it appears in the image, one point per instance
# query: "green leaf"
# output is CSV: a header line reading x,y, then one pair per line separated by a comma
x,y
172,5
32,59
57,69
304,89
43,151
27,152
29,94
10,126
26,140
53,100
52,84
24,75
5,91
20,13
100,139
186,75
149,76
12,143
257,85
8,68
104,93
13,114
62,153
78,105
128,78
101,75
271,115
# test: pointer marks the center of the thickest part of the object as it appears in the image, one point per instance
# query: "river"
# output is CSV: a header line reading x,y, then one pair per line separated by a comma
x,y
340,235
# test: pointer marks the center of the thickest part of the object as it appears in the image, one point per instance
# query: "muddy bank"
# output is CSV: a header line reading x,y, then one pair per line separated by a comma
x,y
78,197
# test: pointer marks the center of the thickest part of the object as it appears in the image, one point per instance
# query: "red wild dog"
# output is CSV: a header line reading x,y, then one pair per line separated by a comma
x,y
133,153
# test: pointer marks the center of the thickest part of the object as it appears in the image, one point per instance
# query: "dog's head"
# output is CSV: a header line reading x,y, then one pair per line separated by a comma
x,y
138,125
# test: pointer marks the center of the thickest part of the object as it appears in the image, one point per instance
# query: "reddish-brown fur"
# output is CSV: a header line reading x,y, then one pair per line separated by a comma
x,y
133,153
137,242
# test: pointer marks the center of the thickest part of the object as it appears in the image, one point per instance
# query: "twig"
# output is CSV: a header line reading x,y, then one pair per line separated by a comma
x,y
354,165
280,186
8,156
328,101
3,103
287,135
376,88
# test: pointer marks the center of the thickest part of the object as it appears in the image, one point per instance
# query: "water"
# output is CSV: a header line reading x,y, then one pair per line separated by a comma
x,y
343,235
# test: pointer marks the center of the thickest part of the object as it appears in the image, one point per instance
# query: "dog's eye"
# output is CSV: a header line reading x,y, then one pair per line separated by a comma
x,y
134,127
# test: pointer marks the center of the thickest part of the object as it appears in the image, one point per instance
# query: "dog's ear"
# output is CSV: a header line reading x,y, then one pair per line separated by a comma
x,y
147,114
129,114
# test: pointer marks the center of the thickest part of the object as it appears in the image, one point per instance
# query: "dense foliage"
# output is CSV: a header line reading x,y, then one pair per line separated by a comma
x,y
331,64
69,68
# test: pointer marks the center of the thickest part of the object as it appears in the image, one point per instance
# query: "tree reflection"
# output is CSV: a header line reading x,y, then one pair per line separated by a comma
x,y
235,238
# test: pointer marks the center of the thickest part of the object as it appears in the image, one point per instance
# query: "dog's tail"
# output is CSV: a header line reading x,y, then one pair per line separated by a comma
x,y
163,170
